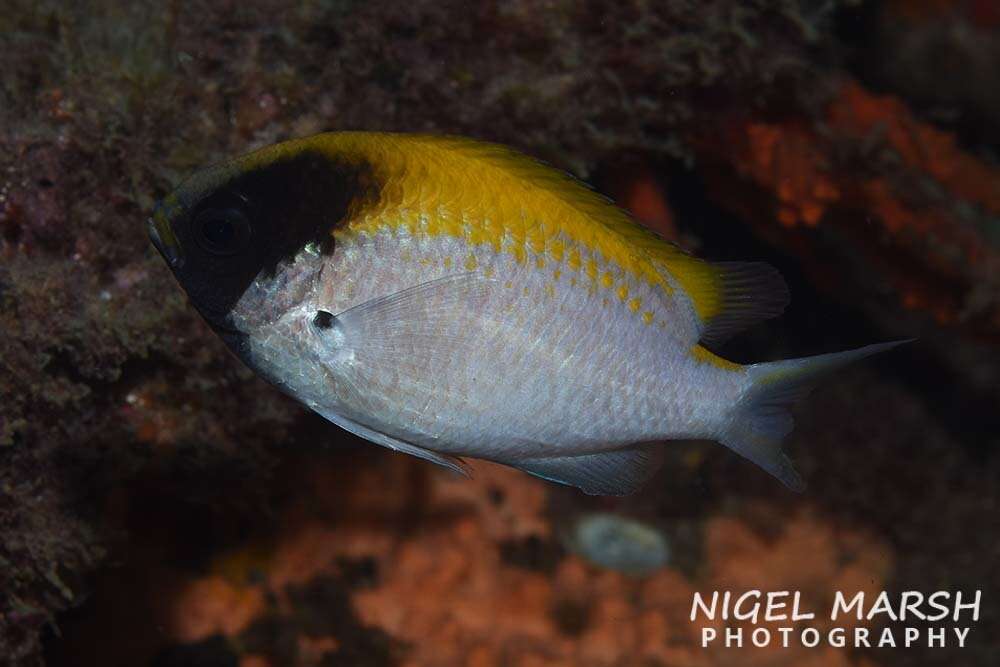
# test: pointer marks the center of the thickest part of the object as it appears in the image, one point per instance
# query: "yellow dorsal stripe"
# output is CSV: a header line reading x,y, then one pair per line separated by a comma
x,y
505,194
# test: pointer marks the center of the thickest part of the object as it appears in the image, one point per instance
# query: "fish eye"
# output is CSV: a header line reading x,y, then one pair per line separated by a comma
x,y
222,231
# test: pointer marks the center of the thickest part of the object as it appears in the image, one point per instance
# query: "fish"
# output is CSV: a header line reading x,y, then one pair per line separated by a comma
x,y
452,298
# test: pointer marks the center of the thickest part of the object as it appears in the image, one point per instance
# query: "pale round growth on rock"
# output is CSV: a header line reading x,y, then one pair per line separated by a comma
x,y
620,544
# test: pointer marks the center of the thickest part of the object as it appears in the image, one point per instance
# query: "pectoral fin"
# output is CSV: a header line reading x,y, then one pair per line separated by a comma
x,y
407,334
430,311
422,325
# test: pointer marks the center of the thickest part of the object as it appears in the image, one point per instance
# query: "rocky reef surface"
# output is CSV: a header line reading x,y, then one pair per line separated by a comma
x,y
159,504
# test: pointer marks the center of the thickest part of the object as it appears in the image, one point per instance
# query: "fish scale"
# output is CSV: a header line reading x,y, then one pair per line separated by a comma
x,y
594,390
450,298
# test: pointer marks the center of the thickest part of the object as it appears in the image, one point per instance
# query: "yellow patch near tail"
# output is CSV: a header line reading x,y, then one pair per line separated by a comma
x,y
704,356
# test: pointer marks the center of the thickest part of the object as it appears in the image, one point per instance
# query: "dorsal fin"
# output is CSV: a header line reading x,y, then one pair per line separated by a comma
x,y
743,294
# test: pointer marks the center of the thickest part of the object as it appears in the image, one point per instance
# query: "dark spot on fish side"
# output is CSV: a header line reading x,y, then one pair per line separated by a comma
x,y
323,319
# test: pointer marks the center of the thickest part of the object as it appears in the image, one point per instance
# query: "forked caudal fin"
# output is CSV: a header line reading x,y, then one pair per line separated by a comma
x,y
762,418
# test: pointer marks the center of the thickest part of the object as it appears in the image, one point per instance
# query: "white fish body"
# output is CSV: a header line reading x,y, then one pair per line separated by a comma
x,y
445,346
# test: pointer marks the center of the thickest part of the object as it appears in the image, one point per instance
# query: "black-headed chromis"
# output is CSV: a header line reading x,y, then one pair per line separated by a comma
x,y
449,298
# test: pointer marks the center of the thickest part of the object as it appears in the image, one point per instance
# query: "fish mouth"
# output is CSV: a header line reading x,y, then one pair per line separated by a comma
x,y
164,240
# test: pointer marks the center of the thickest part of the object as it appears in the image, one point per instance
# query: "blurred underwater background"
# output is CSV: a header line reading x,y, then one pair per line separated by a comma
x,y
161,505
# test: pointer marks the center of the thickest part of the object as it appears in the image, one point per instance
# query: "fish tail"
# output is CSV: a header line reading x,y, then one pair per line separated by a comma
x,y
762,417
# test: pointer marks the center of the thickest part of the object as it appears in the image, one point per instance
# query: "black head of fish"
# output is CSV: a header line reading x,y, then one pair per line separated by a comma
x,y
239,222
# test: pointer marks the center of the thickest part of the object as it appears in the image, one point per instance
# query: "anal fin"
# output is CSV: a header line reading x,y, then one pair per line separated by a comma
x,y
614,473
395,444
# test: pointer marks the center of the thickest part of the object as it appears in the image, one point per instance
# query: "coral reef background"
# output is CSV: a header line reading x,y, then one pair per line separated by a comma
x,y
161,505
